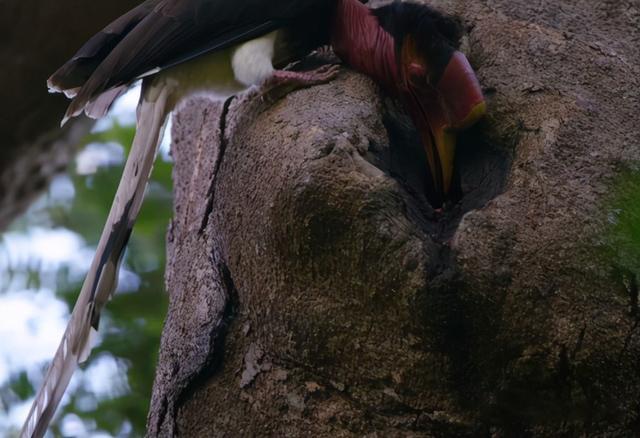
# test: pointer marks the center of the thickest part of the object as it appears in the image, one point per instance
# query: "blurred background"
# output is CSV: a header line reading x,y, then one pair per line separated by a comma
x,y
44,256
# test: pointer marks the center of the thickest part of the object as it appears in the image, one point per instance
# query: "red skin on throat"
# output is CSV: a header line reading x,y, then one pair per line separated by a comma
x,y
359,40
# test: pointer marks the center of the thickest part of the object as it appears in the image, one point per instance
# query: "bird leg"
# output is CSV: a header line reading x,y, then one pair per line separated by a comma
x,y
320,75
283,82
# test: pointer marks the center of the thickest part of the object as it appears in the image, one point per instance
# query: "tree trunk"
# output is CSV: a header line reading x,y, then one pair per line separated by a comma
x,y
314,291
37,37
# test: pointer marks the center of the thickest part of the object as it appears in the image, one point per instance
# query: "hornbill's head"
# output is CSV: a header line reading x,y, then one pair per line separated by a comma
x,y
435,82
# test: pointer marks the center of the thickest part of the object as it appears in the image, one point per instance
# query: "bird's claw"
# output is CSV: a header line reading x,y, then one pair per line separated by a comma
x,y
285,81
326,73
300,79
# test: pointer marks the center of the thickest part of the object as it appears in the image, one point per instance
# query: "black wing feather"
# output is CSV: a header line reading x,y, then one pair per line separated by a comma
x,y
75,72
163,33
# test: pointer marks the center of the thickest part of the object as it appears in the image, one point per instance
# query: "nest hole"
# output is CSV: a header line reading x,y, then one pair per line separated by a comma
x,y
480,175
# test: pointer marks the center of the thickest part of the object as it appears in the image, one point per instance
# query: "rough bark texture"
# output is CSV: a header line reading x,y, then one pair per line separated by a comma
x,y
314,292
36,37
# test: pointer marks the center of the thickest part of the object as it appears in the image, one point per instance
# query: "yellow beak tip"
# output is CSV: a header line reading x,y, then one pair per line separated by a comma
x,y
476,113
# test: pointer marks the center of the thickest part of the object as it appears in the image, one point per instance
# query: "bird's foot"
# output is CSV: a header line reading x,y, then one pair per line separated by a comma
x,y
283,82
320,75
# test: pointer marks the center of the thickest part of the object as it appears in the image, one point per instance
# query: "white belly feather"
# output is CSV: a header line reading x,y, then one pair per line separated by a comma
x,y
252,62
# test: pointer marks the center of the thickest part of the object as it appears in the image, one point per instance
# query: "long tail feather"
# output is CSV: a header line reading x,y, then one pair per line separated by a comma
x,y
102,278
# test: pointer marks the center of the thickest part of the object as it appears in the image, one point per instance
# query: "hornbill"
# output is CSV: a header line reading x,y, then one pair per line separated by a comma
x,y
411,51
221,47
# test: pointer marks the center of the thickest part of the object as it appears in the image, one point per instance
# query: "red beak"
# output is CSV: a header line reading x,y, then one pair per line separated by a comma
x,y
439,112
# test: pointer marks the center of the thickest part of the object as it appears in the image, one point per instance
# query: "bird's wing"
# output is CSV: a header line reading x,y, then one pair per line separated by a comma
x,y
75,72
162,33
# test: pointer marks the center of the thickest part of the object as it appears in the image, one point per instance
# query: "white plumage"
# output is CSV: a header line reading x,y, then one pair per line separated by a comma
x,y
252,62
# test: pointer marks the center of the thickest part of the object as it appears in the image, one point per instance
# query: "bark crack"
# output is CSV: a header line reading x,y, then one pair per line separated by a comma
x,y
217,337
222,141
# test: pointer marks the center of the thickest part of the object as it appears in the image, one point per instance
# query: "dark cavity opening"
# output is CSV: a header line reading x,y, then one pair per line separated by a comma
x,y
481,170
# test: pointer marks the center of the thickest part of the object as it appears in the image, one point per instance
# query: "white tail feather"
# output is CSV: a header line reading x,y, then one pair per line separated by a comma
x,y
101,279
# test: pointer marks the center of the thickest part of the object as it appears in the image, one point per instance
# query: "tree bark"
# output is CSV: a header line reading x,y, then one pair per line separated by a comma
x,y
37,37
314,291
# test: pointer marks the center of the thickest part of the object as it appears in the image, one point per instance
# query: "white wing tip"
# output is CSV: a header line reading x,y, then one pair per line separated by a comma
x,y
69,93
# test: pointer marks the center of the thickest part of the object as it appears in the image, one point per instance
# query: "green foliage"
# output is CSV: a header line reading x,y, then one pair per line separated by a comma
x,y
131,325
624,219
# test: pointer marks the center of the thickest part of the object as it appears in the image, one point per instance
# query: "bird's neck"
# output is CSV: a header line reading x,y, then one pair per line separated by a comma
x,y
361,42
